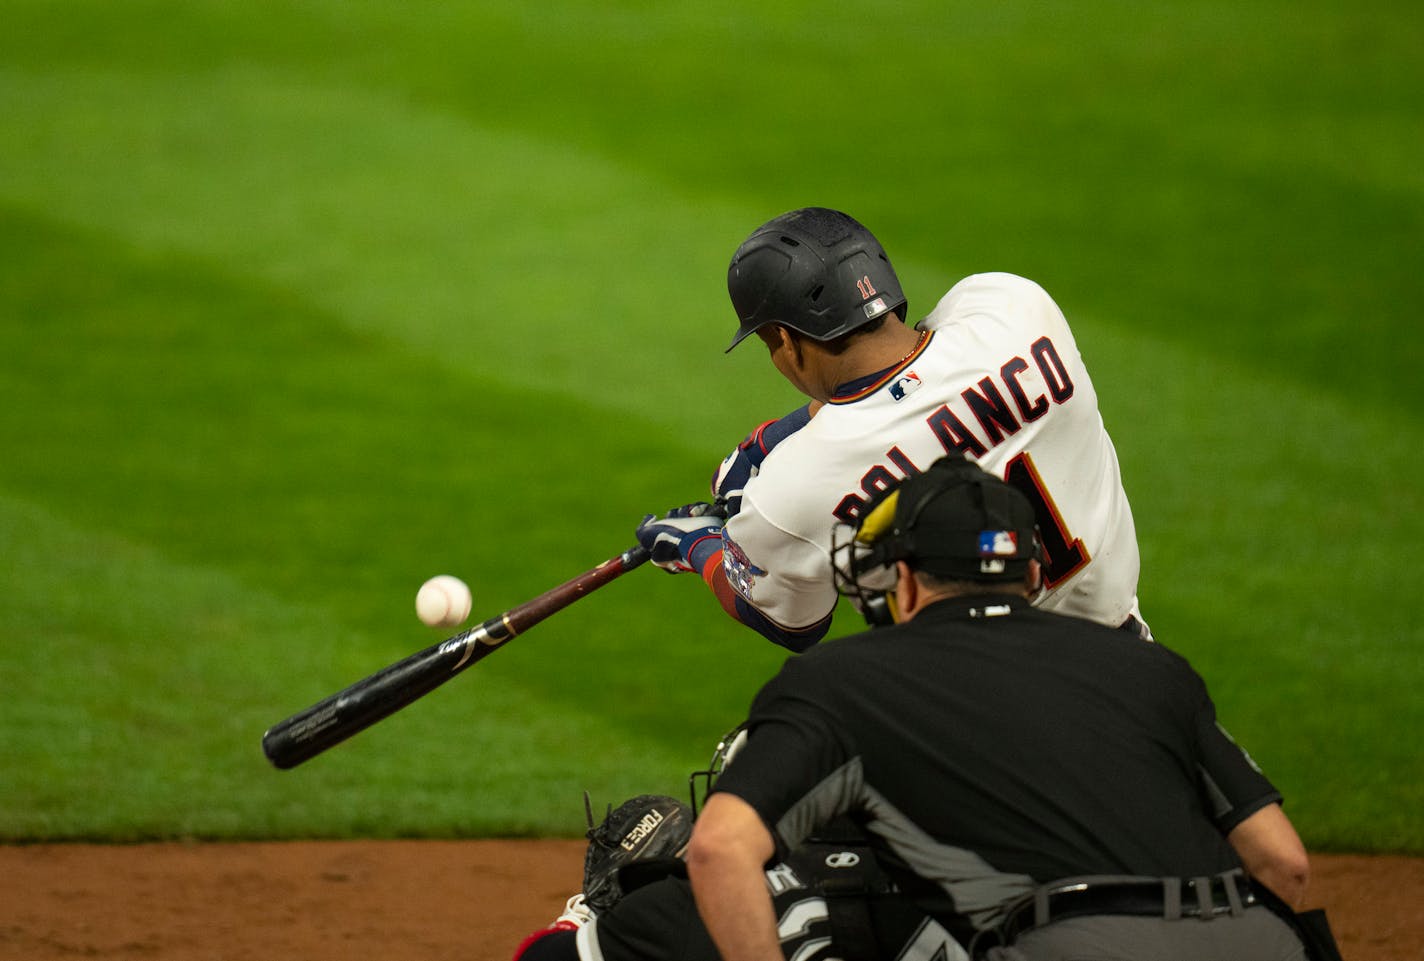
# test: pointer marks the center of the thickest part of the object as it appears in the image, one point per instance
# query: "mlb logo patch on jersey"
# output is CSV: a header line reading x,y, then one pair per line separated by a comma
x,y
998,543
905,385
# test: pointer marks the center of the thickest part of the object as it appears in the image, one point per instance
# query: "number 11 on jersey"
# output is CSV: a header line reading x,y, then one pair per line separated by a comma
x,y
1064,554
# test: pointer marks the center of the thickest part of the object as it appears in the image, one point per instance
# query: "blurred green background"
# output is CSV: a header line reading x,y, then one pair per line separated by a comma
x,y
302,303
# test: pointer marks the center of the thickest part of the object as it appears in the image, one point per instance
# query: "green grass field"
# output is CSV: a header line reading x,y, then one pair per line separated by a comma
x,y
303,303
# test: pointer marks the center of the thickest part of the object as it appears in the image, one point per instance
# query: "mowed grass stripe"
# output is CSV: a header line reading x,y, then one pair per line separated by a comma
x,y
519,258
1241,175
490,253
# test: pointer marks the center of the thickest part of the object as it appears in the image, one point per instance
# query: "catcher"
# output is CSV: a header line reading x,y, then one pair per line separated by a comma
x,y
636,904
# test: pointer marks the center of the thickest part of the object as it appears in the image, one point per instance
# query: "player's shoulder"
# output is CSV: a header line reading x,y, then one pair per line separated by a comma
x,y
998,280
992,292
996,283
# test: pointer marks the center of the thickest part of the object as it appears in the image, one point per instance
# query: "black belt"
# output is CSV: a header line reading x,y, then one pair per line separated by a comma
x,y
1169,898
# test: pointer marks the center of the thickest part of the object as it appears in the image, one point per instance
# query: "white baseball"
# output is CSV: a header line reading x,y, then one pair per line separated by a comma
x,y
443,601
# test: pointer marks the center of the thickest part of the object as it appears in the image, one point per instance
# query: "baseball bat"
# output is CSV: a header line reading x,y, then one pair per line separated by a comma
x,y
332,720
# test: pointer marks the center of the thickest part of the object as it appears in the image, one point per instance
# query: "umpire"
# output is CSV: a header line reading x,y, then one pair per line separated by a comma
x,y
1045,787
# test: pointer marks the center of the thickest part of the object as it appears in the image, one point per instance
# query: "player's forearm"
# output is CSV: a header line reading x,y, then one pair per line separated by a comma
x,y
715,575
739,610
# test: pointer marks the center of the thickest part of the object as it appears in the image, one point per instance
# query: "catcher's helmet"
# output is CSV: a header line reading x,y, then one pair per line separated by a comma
x,y
733,742
815,270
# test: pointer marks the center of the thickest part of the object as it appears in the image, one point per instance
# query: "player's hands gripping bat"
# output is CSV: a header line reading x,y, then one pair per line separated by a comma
x,y
685,538
336,718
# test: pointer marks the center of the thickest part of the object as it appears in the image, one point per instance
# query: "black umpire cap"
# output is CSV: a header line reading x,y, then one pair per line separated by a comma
x,y
954,520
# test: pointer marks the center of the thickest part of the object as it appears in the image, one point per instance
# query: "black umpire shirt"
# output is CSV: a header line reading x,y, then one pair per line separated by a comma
x,y
988,746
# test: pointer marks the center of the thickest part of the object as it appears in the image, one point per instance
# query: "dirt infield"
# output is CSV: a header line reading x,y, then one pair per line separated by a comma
x,y
429,900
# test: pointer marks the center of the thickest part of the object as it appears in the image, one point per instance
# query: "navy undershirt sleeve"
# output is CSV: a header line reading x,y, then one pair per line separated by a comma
x,y
797,641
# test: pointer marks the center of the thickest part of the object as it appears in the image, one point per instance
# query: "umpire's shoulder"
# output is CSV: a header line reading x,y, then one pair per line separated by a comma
x,y
1151,657
1120,642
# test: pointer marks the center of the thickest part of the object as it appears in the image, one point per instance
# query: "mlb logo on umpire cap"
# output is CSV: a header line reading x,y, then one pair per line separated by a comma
x,y
994,546
957,520
998,544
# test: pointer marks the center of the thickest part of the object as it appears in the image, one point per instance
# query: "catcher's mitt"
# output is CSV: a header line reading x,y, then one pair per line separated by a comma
x,y
640,829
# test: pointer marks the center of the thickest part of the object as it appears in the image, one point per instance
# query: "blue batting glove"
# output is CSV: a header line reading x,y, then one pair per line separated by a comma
x,y
684,539
744,462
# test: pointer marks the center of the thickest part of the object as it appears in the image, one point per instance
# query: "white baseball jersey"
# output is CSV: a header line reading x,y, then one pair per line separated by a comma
x,y
996,375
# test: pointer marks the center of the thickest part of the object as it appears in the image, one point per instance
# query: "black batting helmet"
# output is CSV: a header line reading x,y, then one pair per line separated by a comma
x,y
815,270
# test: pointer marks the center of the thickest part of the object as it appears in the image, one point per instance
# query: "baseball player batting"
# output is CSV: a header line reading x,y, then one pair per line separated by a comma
x,y
992,372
